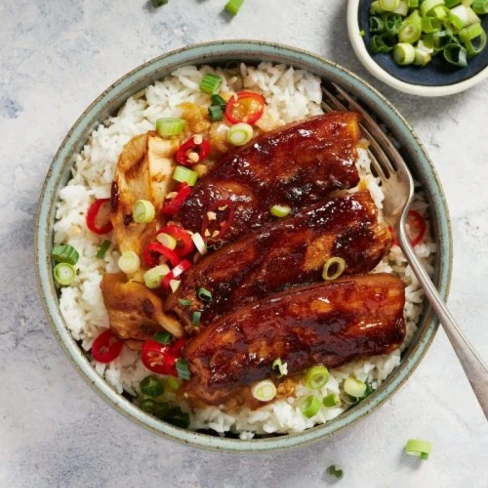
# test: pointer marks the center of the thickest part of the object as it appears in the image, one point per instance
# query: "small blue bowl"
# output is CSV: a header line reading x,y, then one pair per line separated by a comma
x,y
438,78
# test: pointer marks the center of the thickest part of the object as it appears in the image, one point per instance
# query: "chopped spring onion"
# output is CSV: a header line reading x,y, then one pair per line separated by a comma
x,y
473,38
336,263
392,23
177,417
480,7
335,472
310,406
103,249
153,277
217,101
404,54
143,212
64,274
431,24
199,243
151,386
148,405
382,44
440,39
264,391
466,15
282,367
456,55
413,3
215,113
195,318
233,6
204,295
185,175
182,369
163,337
428,5
376,25
418,447
452,3
64,253
280,210
331,400
170,126
317,377
183,302
240,134
441,12
389,5
421,57
167,241
159,3
354,387
210,83
375,8
129,262
402,9
411,29
453,23
172,383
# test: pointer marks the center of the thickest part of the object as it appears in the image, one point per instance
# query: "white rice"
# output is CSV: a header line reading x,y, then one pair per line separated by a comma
x,y
291,95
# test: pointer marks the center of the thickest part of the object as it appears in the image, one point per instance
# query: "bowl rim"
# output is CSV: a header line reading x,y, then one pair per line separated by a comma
x,y
63,161
381,74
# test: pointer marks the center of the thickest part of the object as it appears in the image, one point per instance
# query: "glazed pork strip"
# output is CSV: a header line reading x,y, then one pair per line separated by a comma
x,y
283,254
328,323
296,166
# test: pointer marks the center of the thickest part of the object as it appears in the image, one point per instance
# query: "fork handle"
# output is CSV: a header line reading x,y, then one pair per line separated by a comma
x,y
475,369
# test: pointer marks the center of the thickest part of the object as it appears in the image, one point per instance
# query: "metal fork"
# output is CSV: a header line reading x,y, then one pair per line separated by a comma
x,y
398,186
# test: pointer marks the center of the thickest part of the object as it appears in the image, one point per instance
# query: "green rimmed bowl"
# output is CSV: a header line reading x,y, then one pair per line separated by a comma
x,y
221,53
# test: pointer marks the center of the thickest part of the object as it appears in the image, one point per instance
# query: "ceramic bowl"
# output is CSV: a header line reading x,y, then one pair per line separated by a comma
x,y
221,53
437,79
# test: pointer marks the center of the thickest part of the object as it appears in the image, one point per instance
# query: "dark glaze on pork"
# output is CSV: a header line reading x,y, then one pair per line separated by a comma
x,y
328,323
285,253
296,166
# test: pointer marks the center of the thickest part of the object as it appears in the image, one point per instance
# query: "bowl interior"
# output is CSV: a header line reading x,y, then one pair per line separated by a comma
x,y
221,53
437,73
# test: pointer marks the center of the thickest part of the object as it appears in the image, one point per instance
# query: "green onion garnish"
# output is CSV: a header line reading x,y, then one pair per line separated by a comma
x,y
185,175
354,387
210,84
183,302
64,253
170,126
375,8
264,391
383,43
153,277
182,369
417,447
172,383
428,5
280,210
199,243
413,3
404,54
331,400
159,3
195,318
143,212
151,386
389,5
402,8
282,367
310,406
421,57
411,28
431,24
177,417
456,55
167,241
232,7
103,249
335,472
376,25
392,23
473,38
148,405
204,295
215,113
163,337
480,7
240,134
129,262
217,101
333,268
64,274
317,377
